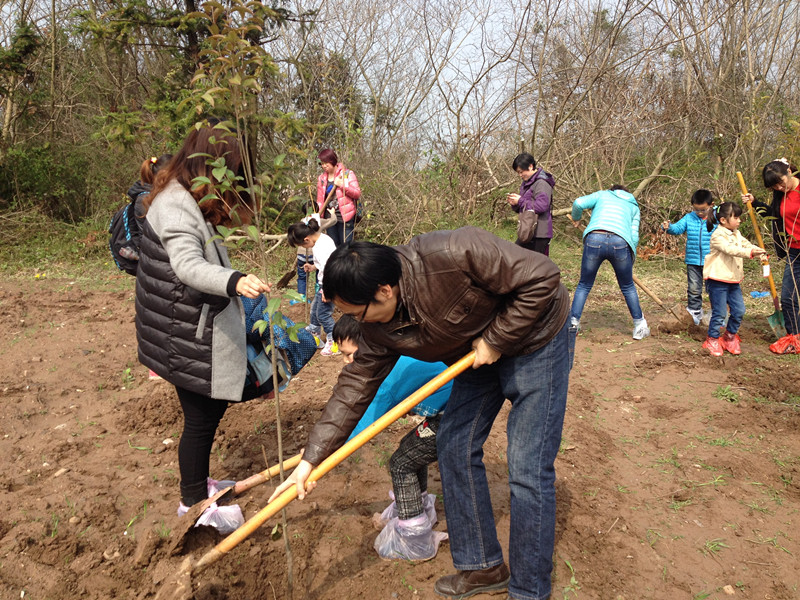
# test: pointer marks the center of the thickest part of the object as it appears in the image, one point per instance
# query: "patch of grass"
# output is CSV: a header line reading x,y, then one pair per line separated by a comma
x,y
653,536
573,587
143,448
726,393
676,505
773,541
410,587
717,481
127,377
714,546
384,453
671,460
723,442
756,507
54,521
162,530
137,517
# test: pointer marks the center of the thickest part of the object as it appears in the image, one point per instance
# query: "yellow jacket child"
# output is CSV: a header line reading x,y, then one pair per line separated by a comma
x,y
724,261
723,271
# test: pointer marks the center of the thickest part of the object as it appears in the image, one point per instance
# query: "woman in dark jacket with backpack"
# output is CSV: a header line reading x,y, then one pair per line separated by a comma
x,y
189,319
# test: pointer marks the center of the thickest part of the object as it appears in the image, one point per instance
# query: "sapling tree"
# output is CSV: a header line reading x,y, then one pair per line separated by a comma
x,y
233,79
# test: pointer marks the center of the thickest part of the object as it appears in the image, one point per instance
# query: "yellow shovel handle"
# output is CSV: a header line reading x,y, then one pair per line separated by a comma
x,y
334,459
759,239
242,486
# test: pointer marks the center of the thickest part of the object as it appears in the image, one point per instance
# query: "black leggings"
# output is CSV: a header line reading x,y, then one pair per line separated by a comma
x,y
540,245
201,417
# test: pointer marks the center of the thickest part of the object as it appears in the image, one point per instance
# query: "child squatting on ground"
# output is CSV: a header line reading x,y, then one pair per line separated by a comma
x,y
407,524
307,234
698,245
723,271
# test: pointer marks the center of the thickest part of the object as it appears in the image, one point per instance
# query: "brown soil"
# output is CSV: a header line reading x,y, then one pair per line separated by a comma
x,y
679,475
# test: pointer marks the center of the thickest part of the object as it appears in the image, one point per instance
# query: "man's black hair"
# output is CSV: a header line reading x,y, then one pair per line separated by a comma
x,y
356,270
347,328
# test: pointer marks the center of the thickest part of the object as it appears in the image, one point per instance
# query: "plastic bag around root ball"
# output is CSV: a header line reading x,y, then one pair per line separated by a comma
x,y
379,520
411,539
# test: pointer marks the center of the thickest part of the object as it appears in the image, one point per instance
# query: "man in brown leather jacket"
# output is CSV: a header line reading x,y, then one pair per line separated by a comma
x,y
437,298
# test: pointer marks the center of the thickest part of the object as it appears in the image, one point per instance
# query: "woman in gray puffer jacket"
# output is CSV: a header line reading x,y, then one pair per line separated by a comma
x,y
189,319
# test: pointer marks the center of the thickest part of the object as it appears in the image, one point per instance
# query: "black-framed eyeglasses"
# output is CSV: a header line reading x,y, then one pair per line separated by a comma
x,y
364,314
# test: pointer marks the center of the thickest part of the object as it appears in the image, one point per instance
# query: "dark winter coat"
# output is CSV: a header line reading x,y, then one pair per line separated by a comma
x,y
189,321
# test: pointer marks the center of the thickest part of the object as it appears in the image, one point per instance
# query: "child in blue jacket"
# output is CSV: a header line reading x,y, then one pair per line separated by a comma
x,y
407,524
698,240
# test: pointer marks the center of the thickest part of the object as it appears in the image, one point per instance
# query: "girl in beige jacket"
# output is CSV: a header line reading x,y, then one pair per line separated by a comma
x,y
723,271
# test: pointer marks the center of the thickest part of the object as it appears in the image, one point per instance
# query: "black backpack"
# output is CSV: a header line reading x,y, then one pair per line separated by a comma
x,y
126,233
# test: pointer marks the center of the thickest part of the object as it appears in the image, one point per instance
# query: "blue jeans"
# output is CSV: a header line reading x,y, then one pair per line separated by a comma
x,y
322,314
598,247
694,290
536,384
724,297
302,277
341,233
790,303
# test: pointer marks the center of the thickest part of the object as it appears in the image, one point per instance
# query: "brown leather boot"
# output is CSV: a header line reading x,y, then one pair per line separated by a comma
x,y
467,583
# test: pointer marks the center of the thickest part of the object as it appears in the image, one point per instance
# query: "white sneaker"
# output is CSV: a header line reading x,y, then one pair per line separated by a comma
x,y
573,322
640,329
697,315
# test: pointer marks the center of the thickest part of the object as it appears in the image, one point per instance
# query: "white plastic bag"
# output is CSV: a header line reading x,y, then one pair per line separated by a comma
x,y
225,519
390,512
411,539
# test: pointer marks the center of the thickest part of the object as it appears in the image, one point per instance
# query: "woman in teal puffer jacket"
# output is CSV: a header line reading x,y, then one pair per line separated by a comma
x,y
612,235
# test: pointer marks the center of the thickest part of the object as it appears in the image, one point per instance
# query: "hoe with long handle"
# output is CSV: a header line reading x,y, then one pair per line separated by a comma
x,y
324,467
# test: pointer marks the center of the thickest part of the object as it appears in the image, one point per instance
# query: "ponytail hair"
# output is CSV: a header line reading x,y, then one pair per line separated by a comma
x,y
726,210
151,166
298,232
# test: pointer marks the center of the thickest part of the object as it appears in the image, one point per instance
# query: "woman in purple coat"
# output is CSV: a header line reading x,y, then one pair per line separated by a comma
x,y
536,194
